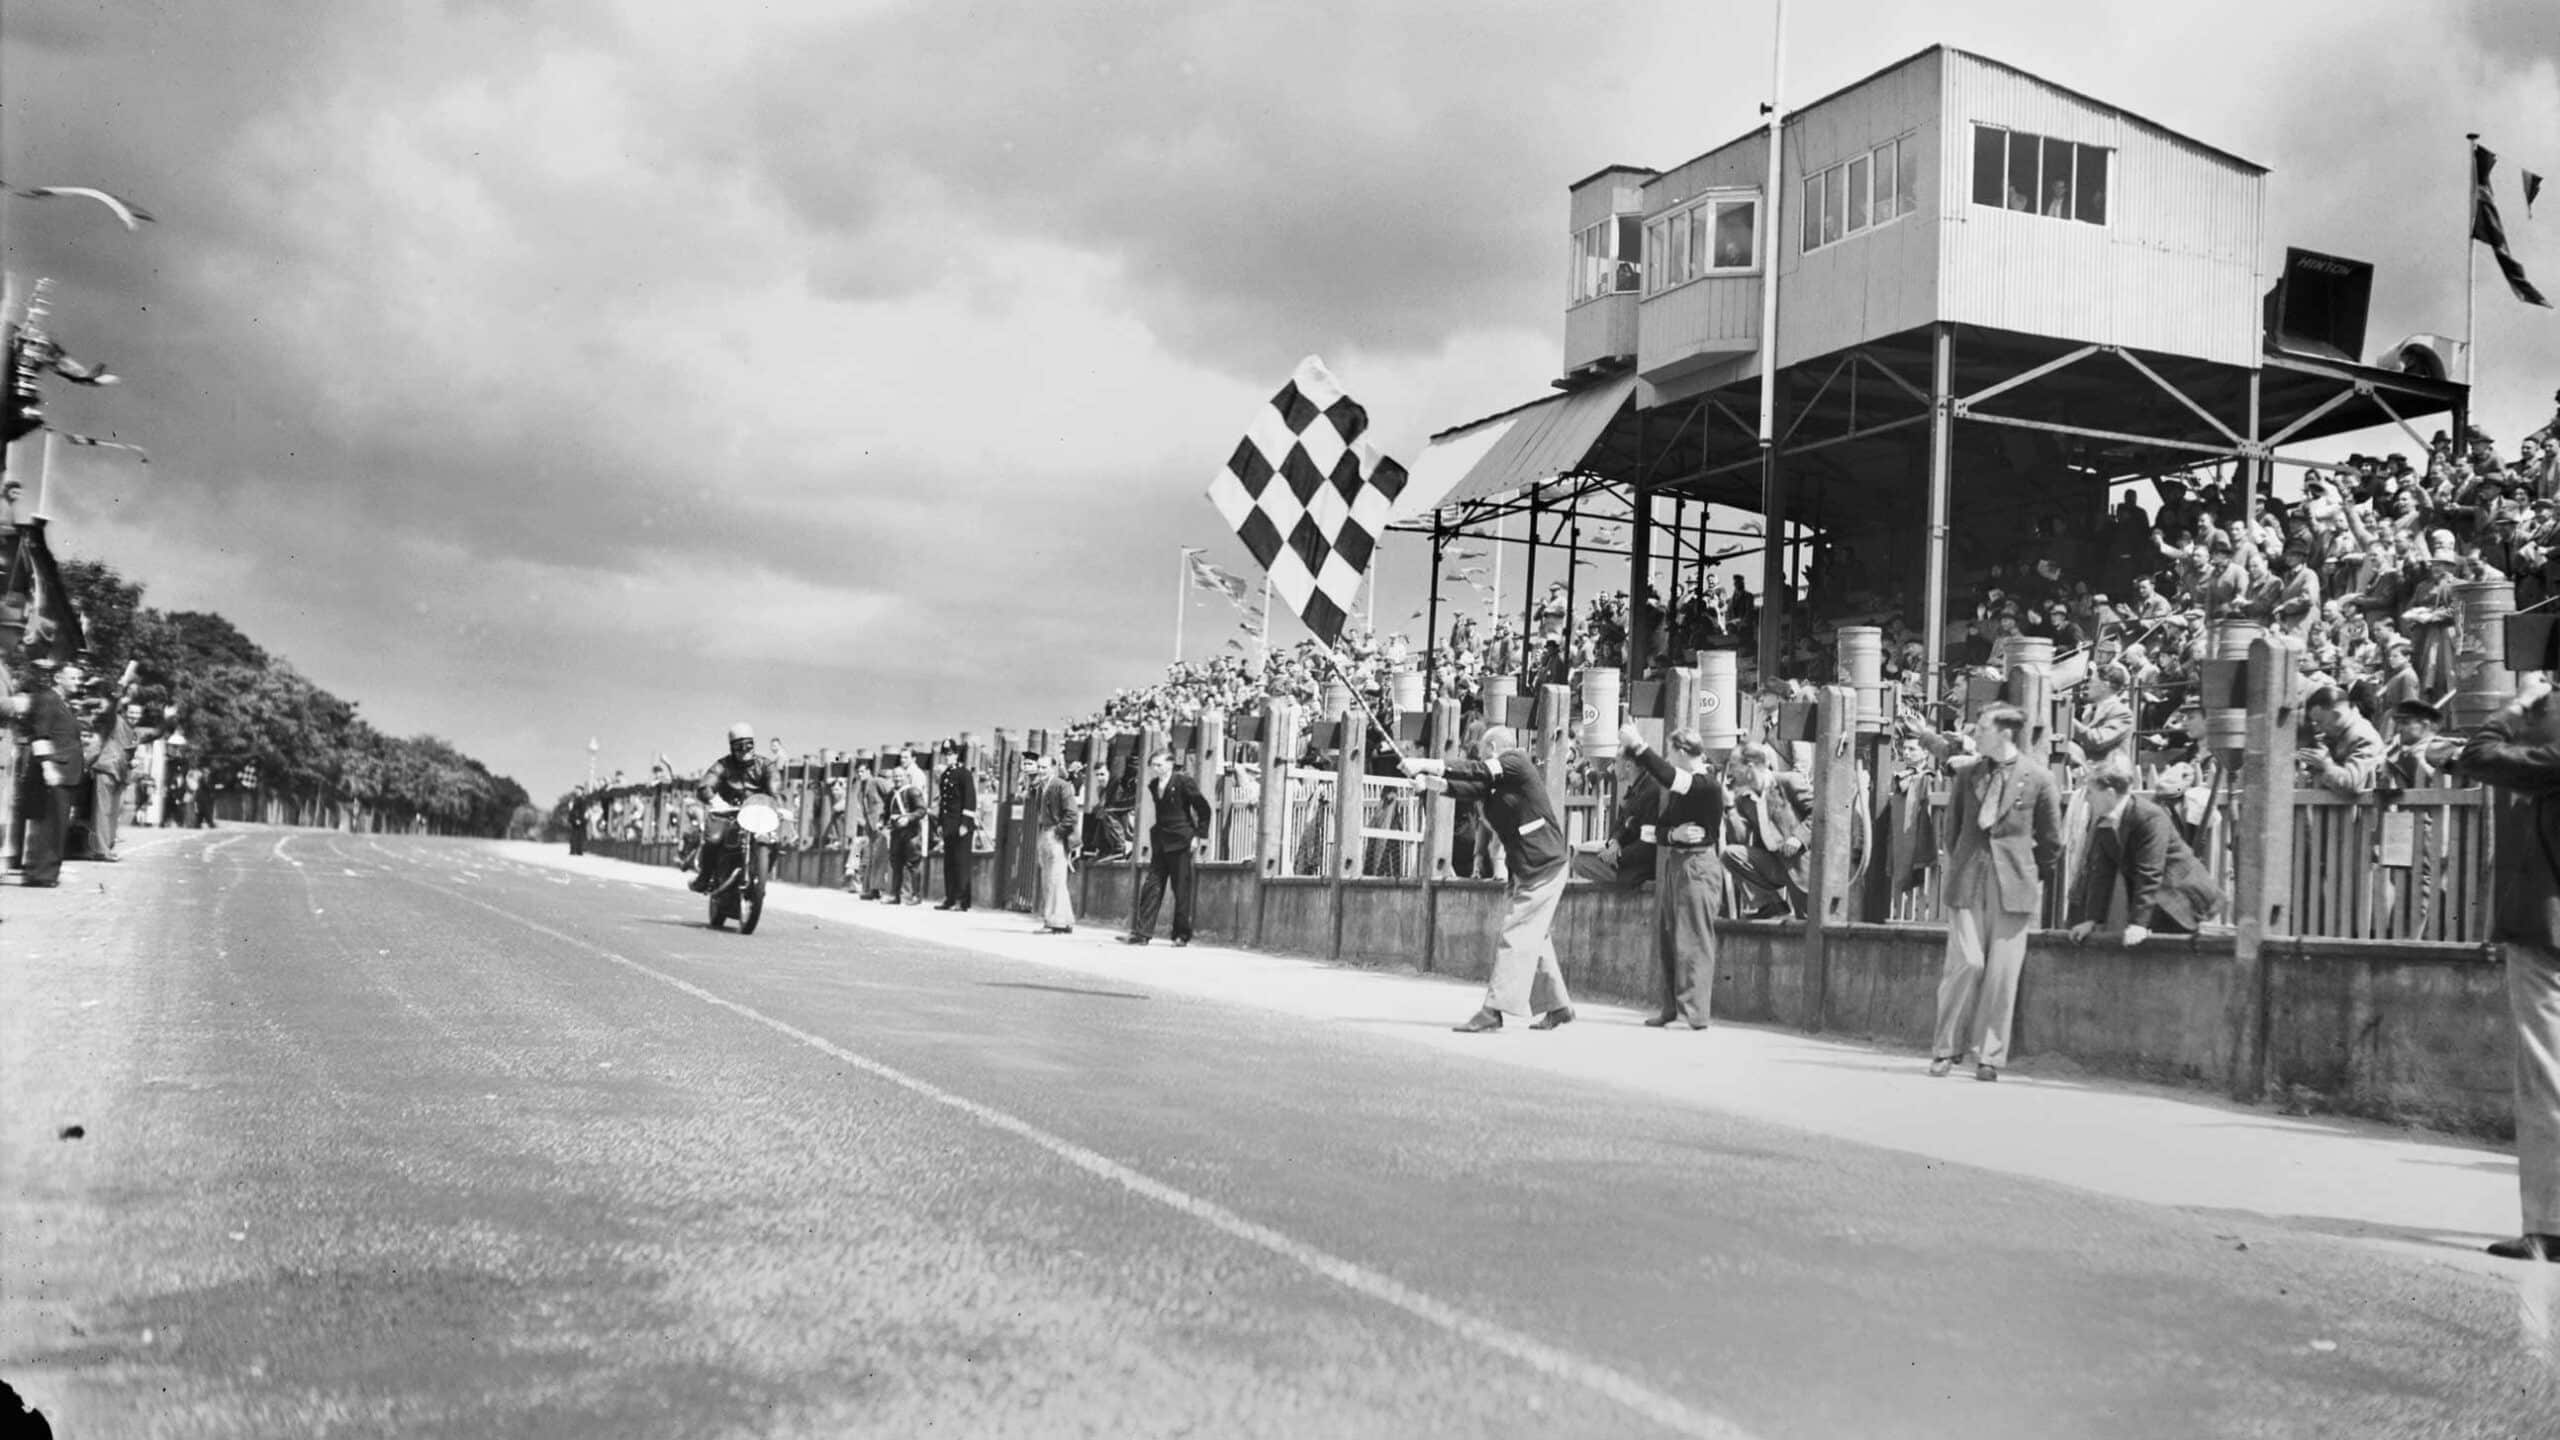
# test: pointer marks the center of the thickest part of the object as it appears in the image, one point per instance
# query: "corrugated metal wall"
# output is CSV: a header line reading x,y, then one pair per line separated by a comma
x,y
1595,329
2174,269
1880,281
1713,316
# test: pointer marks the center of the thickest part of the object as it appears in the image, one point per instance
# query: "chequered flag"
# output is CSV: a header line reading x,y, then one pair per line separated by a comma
x,y
1309,497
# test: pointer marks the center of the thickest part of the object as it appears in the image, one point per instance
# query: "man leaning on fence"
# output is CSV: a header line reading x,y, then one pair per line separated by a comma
x,y
1515,803
2518,751
2166,889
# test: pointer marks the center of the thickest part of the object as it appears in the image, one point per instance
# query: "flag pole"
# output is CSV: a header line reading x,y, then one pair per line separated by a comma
x,y
2470,283
1266,625
1181,604
44,474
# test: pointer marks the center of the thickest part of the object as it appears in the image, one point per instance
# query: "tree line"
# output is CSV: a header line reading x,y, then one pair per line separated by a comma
x,y
242,710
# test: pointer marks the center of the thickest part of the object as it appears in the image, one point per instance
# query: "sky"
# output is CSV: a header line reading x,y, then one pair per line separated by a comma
x,y
601,369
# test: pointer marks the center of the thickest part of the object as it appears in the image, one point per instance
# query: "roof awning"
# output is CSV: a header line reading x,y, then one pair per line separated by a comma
x,y
1513,450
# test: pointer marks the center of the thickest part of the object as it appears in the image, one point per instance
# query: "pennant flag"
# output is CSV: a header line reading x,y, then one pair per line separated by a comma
x,y
1205,576
43,353
125,210
2532,188
91,440
1310,497
2489,230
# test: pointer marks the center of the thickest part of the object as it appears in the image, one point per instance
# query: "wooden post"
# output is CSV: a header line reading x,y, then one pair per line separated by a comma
x,y
1442,823
1679,699
1553,744
1209,768
1835,812
1347,807
1279,740
2263,861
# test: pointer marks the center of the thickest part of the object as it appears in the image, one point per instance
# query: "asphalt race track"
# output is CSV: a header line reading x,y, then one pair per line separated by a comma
x,y
413,1137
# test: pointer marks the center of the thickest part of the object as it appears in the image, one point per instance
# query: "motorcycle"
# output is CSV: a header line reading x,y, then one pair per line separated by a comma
x,y
739,861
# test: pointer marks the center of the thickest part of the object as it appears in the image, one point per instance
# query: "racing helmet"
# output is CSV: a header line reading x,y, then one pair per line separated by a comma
x,y
742,738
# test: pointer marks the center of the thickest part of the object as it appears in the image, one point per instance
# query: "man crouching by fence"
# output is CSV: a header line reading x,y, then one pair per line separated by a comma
x,y
1514,801
2518,751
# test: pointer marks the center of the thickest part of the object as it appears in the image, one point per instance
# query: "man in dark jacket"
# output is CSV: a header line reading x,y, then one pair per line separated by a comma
x,y
955,819
1180,826
1515,803
2518,751
2166,889
48,781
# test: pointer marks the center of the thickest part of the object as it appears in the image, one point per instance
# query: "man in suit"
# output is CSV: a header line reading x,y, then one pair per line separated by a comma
x,y
1515,803
955,819
1180,828
1627,861
2348,755
2518,751
871,802
1772,809
906,814
2007,817
1054,812
2105,732
48,780
2166,889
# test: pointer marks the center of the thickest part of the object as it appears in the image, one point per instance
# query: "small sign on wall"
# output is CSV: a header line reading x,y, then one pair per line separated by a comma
x,y
2399,838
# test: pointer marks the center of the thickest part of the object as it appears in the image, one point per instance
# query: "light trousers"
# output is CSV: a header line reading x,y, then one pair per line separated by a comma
x,y
1053,905
2533,994
1978,989
1526,979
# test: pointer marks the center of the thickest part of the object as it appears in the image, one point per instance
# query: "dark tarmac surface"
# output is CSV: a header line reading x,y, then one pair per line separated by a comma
x,y
404,1137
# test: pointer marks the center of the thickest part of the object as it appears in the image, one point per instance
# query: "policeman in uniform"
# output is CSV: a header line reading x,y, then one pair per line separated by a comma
x,y
47,782
955,819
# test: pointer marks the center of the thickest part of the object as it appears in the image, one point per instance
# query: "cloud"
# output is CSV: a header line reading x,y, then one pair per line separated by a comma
x,y
608,367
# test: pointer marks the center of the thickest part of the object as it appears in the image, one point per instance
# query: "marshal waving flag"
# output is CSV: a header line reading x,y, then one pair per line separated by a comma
x,y
1309,496
2489,230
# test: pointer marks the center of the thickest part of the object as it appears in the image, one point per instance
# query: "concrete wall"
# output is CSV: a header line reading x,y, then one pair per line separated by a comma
x,y
2410,1033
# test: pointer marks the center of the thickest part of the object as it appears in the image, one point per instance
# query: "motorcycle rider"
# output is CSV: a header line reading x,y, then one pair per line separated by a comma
x,y
730,780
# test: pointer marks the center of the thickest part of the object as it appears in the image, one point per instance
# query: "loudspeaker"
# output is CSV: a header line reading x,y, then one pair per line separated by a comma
x,y
2318,306
2529,640
2429,357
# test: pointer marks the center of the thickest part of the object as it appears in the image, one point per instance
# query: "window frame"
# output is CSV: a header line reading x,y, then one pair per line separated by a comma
x,y
1598,266
1688,231
2077,185
1886,168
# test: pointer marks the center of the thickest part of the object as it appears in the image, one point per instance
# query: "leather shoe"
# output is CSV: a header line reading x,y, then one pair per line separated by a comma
x,y
1480,1022
1561,1015
946,905
1133,939
1182,944
2527,1247
1657,1022
1941,1065
1985,1072
1056,929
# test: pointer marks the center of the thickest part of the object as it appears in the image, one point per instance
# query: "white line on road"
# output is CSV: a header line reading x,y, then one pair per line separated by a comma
x,y
1663,1410
207,852
289,860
